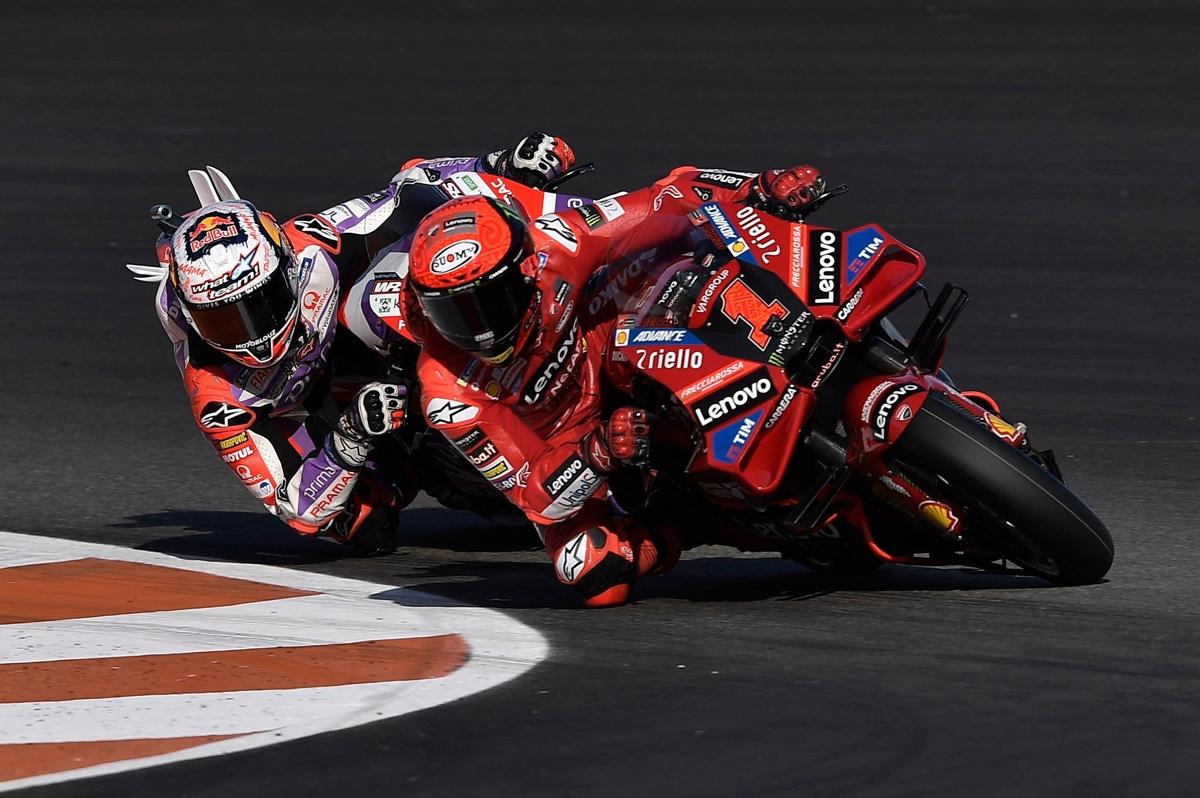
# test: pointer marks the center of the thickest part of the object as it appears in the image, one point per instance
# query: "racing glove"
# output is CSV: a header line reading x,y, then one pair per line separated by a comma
x,y
624,438
377,409
535,160
786,192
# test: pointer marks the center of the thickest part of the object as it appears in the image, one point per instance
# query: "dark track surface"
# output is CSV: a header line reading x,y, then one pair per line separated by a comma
x,y
1045,159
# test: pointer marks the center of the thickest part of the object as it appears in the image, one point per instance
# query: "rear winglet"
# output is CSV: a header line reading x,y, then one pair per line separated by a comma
x,y
222,184
147,274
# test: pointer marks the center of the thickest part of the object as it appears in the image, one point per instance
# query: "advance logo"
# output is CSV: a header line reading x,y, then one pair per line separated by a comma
x,y
751,390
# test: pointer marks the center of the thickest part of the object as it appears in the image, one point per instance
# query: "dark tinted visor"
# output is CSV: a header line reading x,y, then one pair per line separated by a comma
x,y
484,316
252,317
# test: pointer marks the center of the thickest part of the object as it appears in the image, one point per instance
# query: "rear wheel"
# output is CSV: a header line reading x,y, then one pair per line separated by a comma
x,y
1014,506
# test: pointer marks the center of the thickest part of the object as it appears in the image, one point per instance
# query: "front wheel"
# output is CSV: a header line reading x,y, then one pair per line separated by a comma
x,y
1013,504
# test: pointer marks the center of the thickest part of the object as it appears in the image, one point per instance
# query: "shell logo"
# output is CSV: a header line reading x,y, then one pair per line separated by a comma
x,y
113,659
940,515
1003,429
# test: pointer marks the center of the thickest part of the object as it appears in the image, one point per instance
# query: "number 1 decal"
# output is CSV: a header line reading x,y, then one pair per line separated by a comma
x,y
740,303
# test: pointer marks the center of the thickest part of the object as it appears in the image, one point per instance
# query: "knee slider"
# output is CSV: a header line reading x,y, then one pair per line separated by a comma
x,y
594,561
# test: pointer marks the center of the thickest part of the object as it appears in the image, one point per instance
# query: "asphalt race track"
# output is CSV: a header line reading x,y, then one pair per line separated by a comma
x,y
1044,156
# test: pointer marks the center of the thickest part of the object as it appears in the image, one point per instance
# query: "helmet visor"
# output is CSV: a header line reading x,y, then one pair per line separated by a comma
x,y
483,316
251,319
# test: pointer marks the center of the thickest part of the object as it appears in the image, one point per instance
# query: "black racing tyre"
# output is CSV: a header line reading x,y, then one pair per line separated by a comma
x,y
1032,518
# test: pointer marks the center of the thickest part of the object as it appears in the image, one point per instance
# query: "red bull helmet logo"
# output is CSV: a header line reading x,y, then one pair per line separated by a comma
x,y
212,229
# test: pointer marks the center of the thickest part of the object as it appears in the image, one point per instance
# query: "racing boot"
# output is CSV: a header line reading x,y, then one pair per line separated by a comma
x,y
368,524
602,560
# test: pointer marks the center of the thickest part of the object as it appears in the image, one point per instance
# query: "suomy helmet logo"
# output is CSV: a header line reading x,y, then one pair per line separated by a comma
x,y
454,256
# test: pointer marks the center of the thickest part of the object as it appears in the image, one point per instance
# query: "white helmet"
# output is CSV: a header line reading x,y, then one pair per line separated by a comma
x,y
234,272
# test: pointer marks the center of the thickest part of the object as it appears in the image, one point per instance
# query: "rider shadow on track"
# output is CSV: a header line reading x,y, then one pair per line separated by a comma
x,y
259,538
230,535
531,585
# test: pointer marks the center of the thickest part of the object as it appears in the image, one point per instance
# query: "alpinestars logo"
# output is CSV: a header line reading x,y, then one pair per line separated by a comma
x,y
219,415
446,412
571,559
557,229
318,228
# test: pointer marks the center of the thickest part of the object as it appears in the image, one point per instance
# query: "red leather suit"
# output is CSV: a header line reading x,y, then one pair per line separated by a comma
x,y
527,424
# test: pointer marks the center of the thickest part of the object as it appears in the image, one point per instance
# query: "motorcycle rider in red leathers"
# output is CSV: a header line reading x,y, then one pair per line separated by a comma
x,y
510,368
252,308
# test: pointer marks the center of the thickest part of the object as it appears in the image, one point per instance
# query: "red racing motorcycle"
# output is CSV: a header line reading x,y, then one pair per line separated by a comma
x,y
792,415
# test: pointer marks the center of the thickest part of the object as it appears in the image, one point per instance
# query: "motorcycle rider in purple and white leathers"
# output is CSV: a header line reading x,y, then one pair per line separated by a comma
x,y
252,308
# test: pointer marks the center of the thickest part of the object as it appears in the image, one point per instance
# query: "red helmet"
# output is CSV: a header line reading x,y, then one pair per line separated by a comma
x,y
465,266
233,270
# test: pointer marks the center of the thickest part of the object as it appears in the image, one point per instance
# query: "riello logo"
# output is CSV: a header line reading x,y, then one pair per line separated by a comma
x,y
747,392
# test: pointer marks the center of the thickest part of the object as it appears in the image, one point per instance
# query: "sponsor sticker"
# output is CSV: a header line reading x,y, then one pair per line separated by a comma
x,y
230,443
316,227
743,394
538,385
730,441
443,412
723,179
759,234
454,256
554,226
574,494
664,336
718,377
940,515
212,229
670,358
1003,429
611,208
781,406
496,469
882,417
225,415
796,257
861,247
824,267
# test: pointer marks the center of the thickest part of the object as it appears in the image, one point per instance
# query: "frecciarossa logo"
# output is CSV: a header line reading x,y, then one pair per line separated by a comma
x,y
750,391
